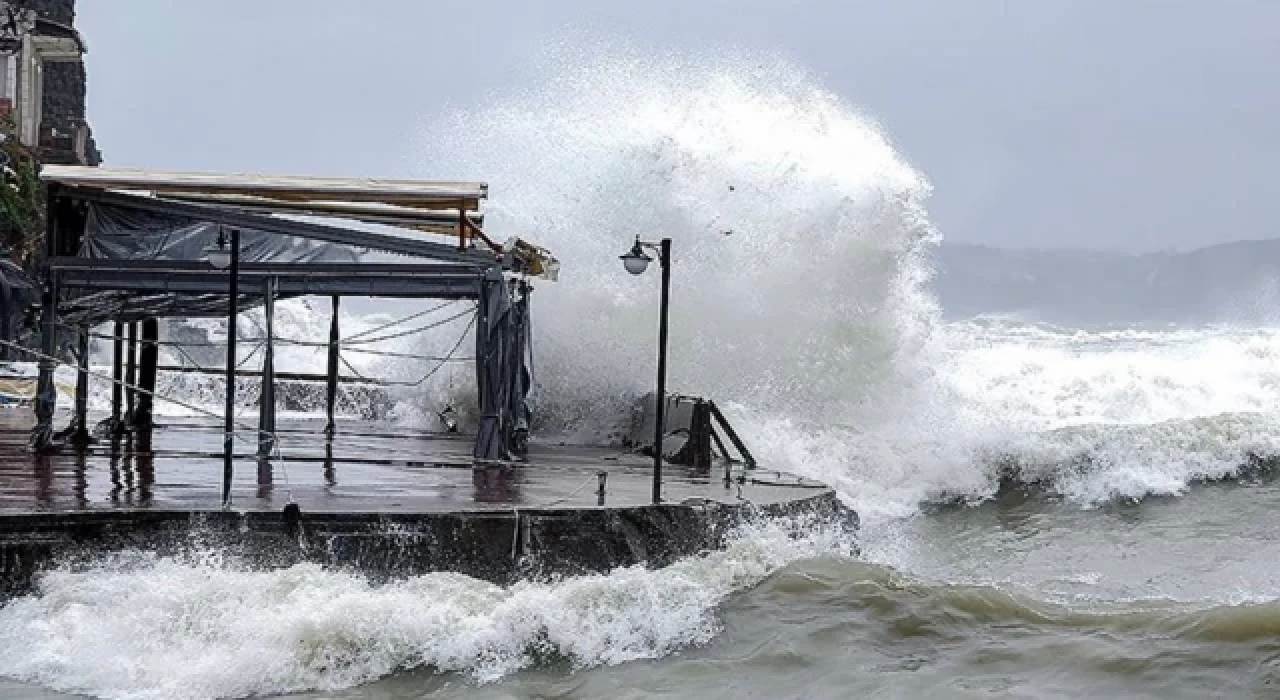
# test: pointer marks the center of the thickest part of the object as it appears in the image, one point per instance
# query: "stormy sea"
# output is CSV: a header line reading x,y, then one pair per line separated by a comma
x,y
1052,504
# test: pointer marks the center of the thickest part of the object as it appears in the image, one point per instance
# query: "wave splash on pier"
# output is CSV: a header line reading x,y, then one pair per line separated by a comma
x,y
801,243
800,300
141,627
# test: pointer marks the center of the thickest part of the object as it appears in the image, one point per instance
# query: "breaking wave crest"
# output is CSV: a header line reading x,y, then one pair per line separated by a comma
x,y
1091,416
138,626
801,301
800,298
800,236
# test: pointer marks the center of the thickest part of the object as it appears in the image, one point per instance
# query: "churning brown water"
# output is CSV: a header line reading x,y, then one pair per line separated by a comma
x,y
1020,597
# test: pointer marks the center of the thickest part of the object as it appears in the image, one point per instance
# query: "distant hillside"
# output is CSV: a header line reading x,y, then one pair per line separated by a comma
x,y
1222,283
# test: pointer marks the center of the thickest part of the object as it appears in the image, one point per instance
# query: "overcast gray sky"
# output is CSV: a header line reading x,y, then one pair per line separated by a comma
x,y
1127,124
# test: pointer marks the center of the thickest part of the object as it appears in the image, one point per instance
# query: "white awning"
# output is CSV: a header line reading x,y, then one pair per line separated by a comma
x,y
418,194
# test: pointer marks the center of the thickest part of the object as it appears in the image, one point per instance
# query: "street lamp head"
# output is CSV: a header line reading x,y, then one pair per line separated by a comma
x,y
636,260
219,253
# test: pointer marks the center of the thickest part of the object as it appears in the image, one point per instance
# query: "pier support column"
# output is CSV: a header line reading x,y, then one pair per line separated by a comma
x,y
117,376
46,393
148,360
331,381
131,377
488,444
229,414
267,396
80,425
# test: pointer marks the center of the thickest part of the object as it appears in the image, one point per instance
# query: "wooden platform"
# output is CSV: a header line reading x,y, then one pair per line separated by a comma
x,y
368,467
381,500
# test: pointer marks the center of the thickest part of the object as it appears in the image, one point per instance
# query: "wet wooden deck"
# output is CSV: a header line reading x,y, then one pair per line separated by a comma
x,y
367,468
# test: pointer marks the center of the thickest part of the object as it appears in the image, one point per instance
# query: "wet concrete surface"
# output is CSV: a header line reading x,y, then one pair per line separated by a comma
x,y
385,501
367,467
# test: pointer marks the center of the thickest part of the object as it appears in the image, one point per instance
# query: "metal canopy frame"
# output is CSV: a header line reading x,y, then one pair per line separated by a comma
x,y
88,290
439,221
233,217
435,281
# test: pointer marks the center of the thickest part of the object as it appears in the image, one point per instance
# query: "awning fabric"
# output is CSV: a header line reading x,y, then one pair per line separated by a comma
x,y
17,294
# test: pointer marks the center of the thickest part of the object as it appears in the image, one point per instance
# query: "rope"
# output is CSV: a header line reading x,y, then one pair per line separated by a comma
x,y
402,355
287,341
419,329
248,357
406,319
179,347
365,351
177,402
354,371
447,358
185,356
454,349
571,494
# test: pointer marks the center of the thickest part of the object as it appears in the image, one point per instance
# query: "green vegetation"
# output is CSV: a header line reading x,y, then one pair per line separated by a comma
x,y
21,200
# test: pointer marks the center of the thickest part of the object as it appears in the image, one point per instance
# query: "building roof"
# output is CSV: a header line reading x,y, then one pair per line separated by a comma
x,y
415,194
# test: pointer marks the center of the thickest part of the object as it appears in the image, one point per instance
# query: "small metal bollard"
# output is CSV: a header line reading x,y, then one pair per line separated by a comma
x,y
601,479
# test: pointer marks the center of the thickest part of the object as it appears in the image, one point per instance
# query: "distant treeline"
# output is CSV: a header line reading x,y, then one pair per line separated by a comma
x,y
1231,282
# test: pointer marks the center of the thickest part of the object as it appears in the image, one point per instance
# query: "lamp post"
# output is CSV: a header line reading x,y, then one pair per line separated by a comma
x,y
223,254
636,261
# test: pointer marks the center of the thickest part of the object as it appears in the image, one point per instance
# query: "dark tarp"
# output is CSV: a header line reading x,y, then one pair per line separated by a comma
x,y
502,372
114,232
121,233
17,295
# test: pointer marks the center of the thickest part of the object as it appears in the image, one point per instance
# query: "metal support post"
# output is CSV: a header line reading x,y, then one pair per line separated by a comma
x,y
331,385
267,401
117,376
46,392
148,361
664,257
131,376
229,415
80,427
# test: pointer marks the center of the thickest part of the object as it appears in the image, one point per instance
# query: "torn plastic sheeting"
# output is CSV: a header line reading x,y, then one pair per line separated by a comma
x,y
17,294
119,233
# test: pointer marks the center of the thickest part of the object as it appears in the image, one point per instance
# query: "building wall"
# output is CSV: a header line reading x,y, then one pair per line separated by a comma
x,y
60,11
64,88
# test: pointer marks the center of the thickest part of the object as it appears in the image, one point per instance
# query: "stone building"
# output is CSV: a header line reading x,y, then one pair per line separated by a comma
x,y
42,80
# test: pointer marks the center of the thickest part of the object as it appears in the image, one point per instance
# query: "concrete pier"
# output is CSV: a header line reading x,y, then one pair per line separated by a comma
x,y
383,501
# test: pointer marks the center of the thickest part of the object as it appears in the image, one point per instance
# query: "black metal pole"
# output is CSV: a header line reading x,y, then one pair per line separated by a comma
x,y
80,435
46,392
267,397
331,385
664,257
117,376
131,376
229,417
148,360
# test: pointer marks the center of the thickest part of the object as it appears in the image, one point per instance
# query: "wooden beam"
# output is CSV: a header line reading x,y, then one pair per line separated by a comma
x,y
422,194
436,221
